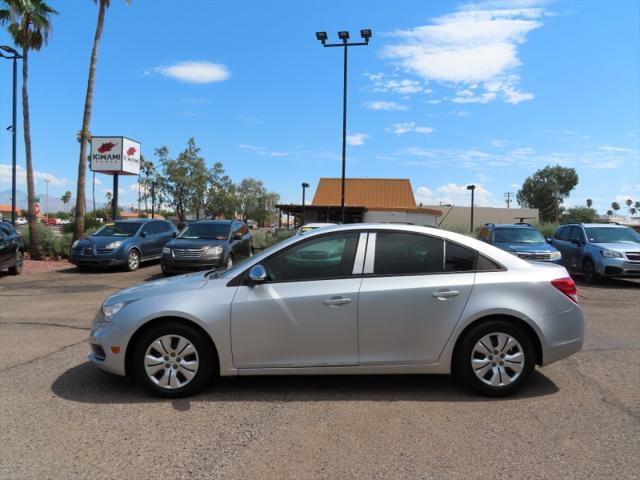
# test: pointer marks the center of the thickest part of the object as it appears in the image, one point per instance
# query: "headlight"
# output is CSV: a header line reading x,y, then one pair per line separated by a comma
x,y
109,311
75,244
555,255
166,250
113,245
213,251
611,254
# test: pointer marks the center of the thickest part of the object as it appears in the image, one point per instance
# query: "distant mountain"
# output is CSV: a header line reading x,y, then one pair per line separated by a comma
x,y
50,203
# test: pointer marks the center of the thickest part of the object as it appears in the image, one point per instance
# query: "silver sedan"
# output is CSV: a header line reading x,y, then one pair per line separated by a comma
x,y
352,299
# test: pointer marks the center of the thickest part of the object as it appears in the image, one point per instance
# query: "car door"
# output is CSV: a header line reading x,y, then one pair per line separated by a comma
x,y
560,241
6,248
575,246
305,315
413,293
149,243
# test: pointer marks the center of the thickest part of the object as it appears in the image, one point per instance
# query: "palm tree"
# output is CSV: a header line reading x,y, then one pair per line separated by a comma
x,y
29,26
615,206
637,205
589,202
628,202
633,211
109,197
65,199
610,213
78,229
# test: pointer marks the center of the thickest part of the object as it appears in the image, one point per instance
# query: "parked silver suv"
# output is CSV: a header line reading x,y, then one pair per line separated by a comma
x,y
599,250
349,299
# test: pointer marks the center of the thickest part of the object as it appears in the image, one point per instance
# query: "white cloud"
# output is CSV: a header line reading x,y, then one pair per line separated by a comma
x,y
194,71
405,86
609,148
406,127
381,105
356,139
474,51
453,194
263,151
499,143
21,176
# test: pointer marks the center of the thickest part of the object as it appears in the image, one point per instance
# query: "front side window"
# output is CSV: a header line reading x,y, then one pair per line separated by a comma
x,y
329,256
118,229
407,254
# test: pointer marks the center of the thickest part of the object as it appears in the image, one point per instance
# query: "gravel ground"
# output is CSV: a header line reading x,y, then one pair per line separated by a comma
x,y
33,266
62,418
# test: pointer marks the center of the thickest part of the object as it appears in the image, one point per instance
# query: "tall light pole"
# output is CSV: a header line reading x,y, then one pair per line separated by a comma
x,y
473,189
305,185
344,36
14,56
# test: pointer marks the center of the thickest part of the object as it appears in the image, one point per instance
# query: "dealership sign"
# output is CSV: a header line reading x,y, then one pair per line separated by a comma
x,y
119,155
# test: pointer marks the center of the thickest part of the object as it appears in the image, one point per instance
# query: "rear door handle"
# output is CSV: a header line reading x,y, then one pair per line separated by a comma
x,y
336,301
444,294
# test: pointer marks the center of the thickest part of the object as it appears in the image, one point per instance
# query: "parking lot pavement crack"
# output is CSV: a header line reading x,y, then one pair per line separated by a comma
x,y
33,360
46,324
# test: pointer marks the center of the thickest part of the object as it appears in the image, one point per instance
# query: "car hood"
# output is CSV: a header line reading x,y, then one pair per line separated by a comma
x,y
164,286
194,243
619,247
101,241
526,247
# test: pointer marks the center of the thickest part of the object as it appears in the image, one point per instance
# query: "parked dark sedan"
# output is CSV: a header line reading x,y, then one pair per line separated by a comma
x,y
11,249
123,243
207,244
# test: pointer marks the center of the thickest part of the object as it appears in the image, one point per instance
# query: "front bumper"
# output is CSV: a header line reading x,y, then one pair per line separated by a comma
x,y
617,267
114,257
108,345
172,264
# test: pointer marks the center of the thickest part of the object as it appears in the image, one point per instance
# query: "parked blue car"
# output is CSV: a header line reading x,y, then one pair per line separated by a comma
x,y
123,243
599,250
522,240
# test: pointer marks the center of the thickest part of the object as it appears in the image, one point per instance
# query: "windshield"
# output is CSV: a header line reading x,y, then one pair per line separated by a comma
x,y
206,231
518,235
612,235
118,229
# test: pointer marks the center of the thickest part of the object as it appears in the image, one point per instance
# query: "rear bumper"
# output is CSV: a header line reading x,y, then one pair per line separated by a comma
x,y
563,334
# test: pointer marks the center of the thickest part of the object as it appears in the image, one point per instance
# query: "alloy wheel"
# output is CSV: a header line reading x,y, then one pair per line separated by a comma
x,y
497,359
133,260
171,362
230,262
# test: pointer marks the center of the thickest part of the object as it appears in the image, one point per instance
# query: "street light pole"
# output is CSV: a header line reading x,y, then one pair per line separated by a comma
x,y
305,185
344,36
473,189
15,56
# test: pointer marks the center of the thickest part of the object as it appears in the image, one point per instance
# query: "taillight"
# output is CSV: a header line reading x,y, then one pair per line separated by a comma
x,y
566,286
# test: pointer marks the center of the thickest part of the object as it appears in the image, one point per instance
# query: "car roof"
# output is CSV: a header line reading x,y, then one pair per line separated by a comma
x,y
213,222
319,224
513,225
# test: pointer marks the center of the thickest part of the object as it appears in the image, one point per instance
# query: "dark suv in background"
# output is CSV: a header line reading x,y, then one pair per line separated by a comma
x,y
522,240
207,244
123,243
11,249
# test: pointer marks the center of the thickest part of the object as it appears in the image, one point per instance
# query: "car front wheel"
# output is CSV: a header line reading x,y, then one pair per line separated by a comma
x,y
19,263
589,272
495,358
133,260
173,360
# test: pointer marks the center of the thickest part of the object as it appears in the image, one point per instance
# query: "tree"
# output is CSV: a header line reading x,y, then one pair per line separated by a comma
x,y
65,199
609,213
633,211
615,206
546,189
579,215
637,205
29,26
222,200
109,197
146,178
628,202
78,229
589,202
251,193
184,181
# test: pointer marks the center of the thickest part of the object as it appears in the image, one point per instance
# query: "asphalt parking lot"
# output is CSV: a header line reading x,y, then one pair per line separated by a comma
x,y
61,418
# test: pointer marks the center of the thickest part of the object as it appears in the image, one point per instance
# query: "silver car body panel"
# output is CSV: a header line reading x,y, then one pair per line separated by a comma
x,y
360,324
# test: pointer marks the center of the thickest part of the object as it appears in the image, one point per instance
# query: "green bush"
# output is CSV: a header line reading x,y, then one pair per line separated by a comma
x,y
52,244
263,238
90,223
462,229
547,229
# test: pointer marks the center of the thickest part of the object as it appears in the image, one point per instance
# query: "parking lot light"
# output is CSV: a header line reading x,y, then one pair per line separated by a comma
x,y
473,189
321,36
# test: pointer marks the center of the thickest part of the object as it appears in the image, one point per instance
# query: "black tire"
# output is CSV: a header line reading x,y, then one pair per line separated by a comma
x,y
133,260
207,360
83,268
589,274
19,263
464,369
166,272
229,262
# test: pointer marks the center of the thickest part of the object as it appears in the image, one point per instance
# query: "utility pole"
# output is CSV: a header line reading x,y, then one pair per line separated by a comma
x,y
47,203
507,197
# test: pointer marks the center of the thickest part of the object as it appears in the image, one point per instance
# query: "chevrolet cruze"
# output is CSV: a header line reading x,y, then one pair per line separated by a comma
x,y
351,299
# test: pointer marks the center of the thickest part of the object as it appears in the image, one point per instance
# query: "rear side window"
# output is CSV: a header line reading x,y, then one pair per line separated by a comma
x,y
406,254
459,258
483,264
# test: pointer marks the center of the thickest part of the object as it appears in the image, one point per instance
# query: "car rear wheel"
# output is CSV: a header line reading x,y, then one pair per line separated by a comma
x,y
589,273
495,358
133,260
230,261
173,360
19,263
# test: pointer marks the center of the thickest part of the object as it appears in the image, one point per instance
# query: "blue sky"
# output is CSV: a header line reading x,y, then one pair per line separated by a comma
x,y
446,94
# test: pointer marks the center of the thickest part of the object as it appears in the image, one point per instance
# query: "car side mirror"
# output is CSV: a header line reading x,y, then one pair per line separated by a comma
x,y
174,234
143,234
237,236
576,241
549,240
257,275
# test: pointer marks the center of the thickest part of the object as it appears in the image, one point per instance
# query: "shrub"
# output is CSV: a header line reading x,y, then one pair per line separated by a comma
x,y
52,244
263,238
90,223
547,229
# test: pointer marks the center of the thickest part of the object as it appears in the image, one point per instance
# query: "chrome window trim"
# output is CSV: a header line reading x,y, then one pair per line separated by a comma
x,y
358,263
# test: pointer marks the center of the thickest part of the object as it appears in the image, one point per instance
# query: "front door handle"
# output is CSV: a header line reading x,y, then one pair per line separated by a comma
x,y
336,301
444,294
